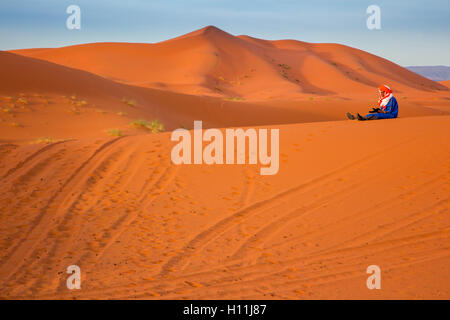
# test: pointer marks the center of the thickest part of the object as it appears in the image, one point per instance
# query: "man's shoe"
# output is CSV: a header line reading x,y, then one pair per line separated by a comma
x,y
350,116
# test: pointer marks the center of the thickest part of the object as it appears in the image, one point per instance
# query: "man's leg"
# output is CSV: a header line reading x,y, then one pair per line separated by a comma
x,y
366,117
386,116
375,116
372,116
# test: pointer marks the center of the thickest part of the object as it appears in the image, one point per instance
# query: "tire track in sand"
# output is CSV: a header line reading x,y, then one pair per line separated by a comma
x,y
32,156
204,237
29,241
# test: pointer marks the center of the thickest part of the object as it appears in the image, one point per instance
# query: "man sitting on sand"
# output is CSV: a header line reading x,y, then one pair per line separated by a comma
x,y
387,107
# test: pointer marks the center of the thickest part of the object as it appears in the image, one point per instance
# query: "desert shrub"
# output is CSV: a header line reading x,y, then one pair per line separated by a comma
x,y
82,103
115,132
131,103
44,140
156,126
22,100
153,125
139,123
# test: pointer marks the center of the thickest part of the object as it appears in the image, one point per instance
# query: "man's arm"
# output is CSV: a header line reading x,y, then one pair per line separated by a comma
x,y
388,107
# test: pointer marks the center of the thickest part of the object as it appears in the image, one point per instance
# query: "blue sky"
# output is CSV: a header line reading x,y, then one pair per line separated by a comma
x,y
412,32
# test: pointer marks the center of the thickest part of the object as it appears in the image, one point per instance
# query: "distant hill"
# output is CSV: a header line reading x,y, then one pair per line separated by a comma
x,y
436,73
210,61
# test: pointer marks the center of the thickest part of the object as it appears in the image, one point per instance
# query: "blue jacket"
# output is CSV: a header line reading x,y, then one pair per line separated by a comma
x,y
392,107
391,110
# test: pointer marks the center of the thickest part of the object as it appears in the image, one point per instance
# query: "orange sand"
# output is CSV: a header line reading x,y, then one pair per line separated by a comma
x,y
348,194
445,83
212,62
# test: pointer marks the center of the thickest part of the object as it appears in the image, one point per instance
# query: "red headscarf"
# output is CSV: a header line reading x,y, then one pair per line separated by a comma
x,y
385,95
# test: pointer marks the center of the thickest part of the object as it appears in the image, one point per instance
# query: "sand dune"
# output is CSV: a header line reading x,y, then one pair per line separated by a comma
x,y
140,227
43,99
445,83
81,184
212,62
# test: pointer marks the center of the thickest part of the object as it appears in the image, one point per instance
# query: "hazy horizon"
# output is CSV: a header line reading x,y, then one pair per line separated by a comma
x,y
411,34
